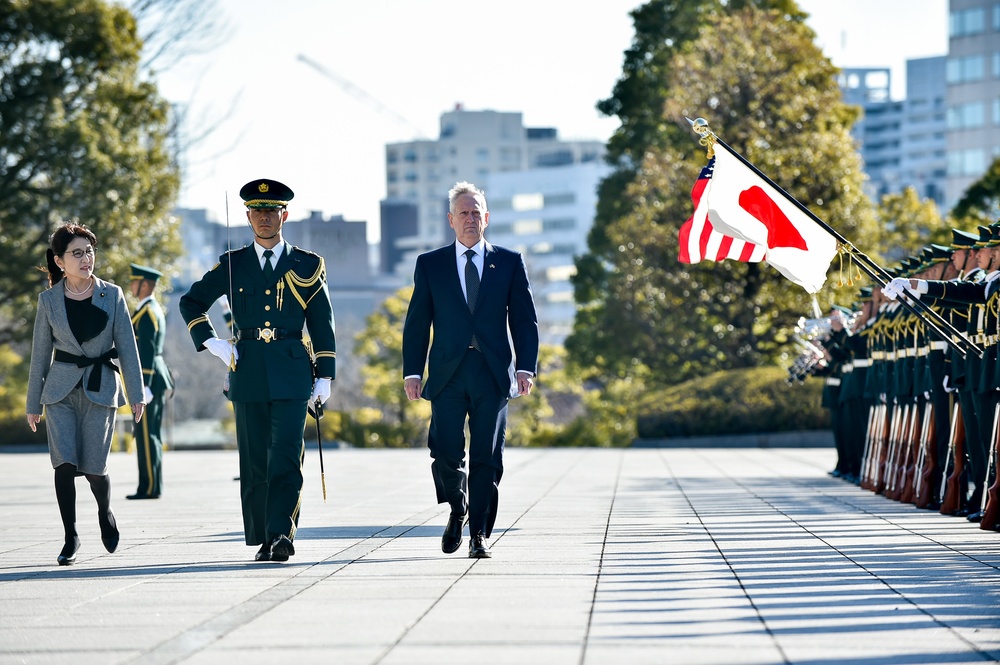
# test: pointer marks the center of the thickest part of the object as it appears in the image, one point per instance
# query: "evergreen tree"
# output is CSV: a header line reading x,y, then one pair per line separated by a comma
x,y
907,224
755,73
981,201
82,137
380,348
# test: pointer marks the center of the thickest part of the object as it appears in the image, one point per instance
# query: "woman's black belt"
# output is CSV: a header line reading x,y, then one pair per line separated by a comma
x,y
94,382
267,334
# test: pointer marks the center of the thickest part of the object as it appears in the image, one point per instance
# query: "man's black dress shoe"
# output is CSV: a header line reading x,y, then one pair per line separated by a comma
x,y
451,540
962,512
264,553
281,548
976,516
109,531
139,495
68,553
479,548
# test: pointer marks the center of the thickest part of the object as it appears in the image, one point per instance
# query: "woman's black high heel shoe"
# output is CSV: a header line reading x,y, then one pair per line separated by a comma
x,y
109,531
68,553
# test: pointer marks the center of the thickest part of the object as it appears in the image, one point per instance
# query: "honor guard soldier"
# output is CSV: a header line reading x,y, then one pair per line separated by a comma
x,y
965,297
853,406
836,355
274,290
150,328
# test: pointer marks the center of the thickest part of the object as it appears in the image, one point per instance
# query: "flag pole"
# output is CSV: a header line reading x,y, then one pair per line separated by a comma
x,y
933,319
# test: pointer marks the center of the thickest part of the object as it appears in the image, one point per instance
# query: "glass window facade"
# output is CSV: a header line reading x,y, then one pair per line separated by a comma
x,y
965,70
967,22
967,116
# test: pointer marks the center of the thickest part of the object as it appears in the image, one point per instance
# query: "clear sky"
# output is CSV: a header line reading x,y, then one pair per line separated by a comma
x,y
395,65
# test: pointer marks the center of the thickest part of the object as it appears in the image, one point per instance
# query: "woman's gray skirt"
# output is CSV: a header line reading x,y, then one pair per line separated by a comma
x,y
79,432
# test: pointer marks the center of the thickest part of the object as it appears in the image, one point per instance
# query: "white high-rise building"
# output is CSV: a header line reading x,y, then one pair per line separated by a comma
x,y
546,213
902,142
973,98
471,146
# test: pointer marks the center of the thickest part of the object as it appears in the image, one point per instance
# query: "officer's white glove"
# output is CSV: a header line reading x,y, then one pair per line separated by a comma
x,y
321,391
947,388
147,394
894,288
222,349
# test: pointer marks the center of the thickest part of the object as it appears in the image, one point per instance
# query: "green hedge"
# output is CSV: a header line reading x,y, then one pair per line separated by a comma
x,y
741,401
13,387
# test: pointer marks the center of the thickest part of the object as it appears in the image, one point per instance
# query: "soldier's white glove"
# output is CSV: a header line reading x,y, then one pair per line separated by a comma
x,y
900,285
222,349
321,391
147,394
895,288
947,388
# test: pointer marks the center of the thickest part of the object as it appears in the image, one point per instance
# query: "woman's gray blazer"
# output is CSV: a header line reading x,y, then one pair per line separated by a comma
x,y
49,381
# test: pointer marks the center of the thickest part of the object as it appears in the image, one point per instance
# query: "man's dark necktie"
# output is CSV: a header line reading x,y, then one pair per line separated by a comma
x,y
471,288
268,268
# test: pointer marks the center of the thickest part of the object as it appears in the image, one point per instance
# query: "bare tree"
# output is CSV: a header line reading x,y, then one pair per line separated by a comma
x,y
172,30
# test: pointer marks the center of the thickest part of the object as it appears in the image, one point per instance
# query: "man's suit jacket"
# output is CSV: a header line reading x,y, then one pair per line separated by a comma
x,y
504,302
51,381
295,296
150,327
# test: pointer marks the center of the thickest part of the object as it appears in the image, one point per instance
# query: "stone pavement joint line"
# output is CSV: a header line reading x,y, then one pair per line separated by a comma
x,y
707,556
600,565
729,565
496,539
888,584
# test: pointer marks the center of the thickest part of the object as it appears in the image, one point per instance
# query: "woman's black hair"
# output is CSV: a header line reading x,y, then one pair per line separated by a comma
x,y
59,241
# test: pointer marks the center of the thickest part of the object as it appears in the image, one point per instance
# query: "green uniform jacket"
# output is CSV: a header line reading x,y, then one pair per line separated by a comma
x,y
295,296
150,326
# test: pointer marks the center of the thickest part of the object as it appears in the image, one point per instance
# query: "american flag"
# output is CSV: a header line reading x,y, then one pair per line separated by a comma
x,y
700,241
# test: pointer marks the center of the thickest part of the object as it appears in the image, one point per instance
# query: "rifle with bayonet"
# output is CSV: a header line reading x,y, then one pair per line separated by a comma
x,y
927,464
990,509
954,484
912,452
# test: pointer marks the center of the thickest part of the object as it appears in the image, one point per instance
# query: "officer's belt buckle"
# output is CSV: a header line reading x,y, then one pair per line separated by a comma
x,y
267,334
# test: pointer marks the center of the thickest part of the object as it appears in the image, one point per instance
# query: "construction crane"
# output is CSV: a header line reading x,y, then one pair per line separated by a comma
x,y
361,95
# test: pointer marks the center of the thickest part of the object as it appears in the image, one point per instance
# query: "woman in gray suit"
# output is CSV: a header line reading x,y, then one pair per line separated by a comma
x,y
82,324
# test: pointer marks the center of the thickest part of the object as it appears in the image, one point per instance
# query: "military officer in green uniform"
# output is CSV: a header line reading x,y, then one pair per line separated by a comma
x,y
150,328
276,289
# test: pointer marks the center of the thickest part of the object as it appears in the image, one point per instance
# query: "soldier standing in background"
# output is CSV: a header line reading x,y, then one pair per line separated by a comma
x,y
150,326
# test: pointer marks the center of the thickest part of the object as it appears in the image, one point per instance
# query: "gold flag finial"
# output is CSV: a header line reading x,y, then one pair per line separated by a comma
x,y
701,128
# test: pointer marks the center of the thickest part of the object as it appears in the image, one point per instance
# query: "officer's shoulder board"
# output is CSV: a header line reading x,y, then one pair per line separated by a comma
x,y
305,251
307,276
225,255
309,269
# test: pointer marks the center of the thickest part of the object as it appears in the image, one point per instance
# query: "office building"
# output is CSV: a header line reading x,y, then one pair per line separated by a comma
x,y
973,97
902,143
546,213
924,154
471,146
342,244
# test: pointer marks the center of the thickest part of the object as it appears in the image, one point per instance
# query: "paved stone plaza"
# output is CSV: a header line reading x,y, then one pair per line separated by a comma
x,y
728,556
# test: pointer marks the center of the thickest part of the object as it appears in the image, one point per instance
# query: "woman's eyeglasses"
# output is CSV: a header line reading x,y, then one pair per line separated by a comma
x,y
80,253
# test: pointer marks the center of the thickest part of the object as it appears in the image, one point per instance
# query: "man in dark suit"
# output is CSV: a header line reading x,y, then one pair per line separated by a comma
x,y
471,293
150,326
274,290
